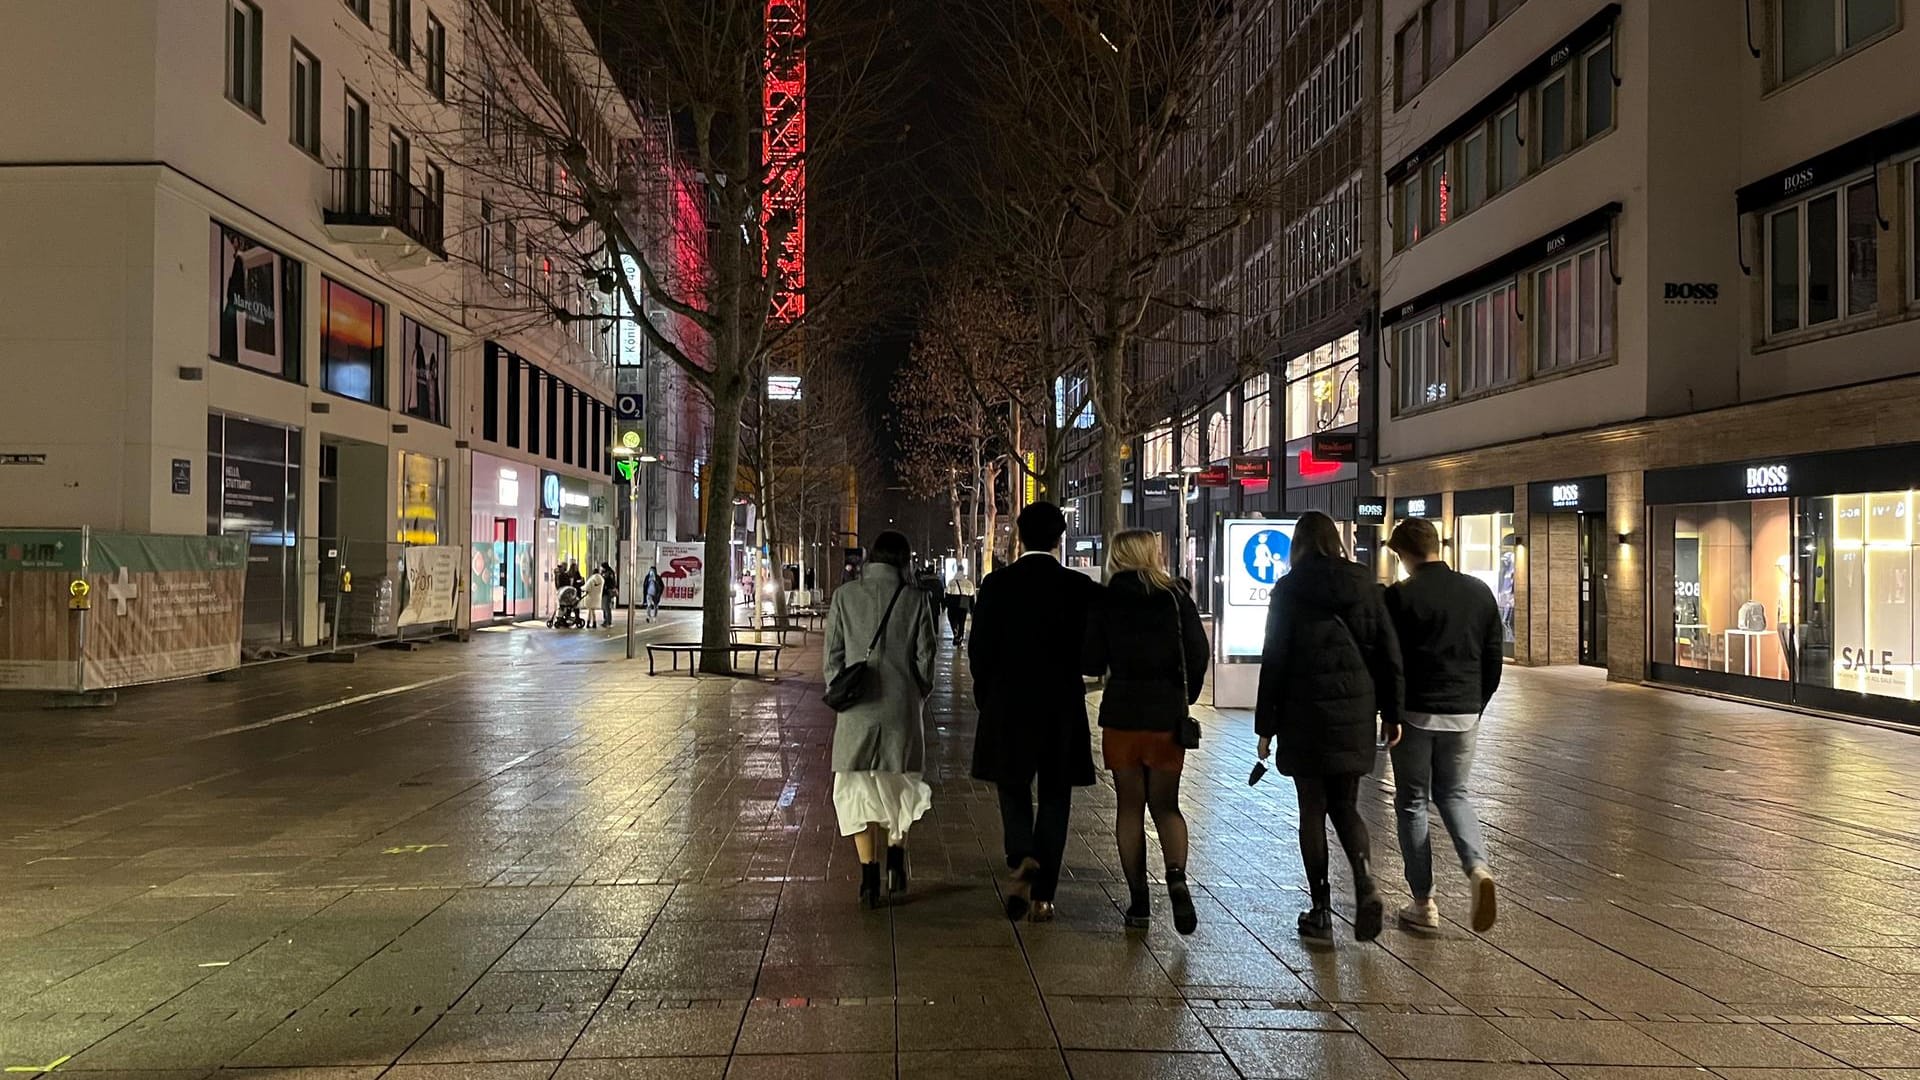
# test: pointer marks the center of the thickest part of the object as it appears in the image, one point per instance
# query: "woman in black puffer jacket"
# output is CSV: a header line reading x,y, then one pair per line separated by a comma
x,y
1145,636
1331,664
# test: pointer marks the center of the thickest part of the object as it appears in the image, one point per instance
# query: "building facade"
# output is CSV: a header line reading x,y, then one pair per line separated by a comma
x,y
299,318
1649,300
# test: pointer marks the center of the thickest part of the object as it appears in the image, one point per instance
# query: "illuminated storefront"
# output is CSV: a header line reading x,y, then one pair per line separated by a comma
x,y
1791,580
1485,547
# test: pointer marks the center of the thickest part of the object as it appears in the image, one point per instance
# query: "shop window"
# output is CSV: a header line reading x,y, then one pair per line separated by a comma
x,y
353,344
1472,190
1572,313
1485,549
1407,224
1485,325
1822,259
1812,32
1256,414
1323,388
1219,435
255,310
1435,211
1861,619
1551,119
1509,155
1913,231
423,499
1730,607
1421,363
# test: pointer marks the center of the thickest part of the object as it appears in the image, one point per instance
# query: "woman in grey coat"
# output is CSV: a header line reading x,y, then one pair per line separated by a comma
x,y
880,744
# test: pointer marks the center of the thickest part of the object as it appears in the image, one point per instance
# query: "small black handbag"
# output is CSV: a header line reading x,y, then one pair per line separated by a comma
x,y
849,687
1186,732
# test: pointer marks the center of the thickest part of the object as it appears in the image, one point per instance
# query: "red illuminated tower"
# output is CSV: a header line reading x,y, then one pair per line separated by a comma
x,y
785,150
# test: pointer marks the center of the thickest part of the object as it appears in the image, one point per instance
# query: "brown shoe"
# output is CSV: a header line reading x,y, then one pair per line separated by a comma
x,y
1020,889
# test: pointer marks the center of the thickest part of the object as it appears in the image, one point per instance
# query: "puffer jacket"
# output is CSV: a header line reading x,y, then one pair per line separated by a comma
x,y
1321,682
1142,637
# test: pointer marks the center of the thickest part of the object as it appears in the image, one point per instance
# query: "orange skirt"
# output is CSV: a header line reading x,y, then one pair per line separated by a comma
x,y
1156,750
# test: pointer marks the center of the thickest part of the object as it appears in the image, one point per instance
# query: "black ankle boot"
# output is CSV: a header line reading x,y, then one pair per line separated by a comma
x,y
1185,919
870,885
1139,913
896,869
1369,910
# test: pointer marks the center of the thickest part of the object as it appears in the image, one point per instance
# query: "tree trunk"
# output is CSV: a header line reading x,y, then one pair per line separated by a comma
x,y
1109,387
723,473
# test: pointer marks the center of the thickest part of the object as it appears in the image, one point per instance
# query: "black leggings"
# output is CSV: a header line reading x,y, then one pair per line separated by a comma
x,y
1139,792
1336,797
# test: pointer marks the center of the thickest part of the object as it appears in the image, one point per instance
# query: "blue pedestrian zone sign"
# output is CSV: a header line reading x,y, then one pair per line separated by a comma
x,y
1265,555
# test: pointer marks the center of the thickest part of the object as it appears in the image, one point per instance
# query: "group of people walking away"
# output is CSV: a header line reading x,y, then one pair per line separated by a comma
x,y
1421,659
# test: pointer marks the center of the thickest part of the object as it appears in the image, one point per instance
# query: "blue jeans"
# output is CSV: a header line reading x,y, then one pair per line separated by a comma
x,y
1432,767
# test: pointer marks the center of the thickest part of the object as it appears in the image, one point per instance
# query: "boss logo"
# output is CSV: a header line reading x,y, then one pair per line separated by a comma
x,y
1767,480
1417,508
1692,292
1796,180
1556,244
1559,56
1564,495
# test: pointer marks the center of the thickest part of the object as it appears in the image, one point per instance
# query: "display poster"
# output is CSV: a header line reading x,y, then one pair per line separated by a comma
x,y
353,344
432,581
253,301
1256,556
424,366
682,576
160,607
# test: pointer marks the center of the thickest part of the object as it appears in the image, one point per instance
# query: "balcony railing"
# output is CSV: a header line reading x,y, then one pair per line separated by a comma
x,y
383,198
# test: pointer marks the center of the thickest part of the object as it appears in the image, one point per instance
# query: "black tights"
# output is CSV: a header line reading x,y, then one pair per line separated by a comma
x,y
1141,791
1336,797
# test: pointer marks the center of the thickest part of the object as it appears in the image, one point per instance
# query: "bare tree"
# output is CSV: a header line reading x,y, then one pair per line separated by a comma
x,y
616,169
1112,127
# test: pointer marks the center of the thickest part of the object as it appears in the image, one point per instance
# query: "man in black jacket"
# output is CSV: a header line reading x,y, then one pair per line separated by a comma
x,y
1451,641
1028,621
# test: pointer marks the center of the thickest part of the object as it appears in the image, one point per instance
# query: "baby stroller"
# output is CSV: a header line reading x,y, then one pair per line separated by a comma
x,y
568,616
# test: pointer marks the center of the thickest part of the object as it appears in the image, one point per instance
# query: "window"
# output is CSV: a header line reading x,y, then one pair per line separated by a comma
x,y
1913,231
1812,32
1471,164
1256,414
509,259
357,153
1409,222
1324,240
1156,452
1409,61
487,265
353,345
363,9
303,122
1507,161
436,58
1597,74
1822,259
436,186
1552,118
1323,388
1485,329
1440,16
243,55
1323,101
399,161
400,30
1475,18
1420,363
1436,211
1219,435
1573,310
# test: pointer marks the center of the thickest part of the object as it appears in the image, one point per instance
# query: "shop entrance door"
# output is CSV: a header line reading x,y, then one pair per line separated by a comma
x,y
505,559
1593,590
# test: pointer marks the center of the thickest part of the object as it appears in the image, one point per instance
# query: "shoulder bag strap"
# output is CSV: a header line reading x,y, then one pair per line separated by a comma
x,y
881,630
1179,641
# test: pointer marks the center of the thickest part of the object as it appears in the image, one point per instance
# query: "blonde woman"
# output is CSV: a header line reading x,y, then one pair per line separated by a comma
x,y
1145,636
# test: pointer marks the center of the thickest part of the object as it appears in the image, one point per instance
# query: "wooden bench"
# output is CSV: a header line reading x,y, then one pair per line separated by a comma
x,y
692,649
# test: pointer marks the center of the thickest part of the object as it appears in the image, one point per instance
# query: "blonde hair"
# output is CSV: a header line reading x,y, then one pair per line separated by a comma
x,y
1138,550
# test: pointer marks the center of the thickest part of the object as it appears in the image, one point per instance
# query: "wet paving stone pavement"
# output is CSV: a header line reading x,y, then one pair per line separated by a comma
x,y
523,858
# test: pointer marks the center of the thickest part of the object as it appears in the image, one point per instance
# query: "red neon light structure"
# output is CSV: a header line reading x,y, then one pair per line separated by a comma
x,y
784,153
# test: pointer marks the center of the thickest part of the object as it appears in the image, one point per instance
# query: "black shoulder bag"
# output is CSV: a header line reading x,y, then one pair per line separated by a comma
x,y
850,686
1187,731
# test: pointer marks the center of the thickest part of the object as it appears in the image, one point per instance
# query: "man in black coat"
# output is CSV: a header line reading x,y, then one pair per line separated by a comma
x,y
1028,621
1452,640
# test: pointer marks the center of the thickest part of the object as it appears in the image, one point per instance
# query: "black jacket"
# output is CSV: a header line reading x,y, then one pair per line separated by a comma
x,y
1451,637
1138,634
1322,682
1028,622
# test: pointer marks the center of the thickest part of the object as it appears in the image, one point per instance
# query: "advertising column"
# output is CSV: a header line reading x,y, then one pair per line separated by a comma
x,y
1255,556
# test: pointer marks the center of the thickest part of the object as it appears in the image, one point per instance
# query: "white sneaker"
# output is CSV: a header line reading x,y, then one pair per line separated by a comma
x,y
1421,915
1483,899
